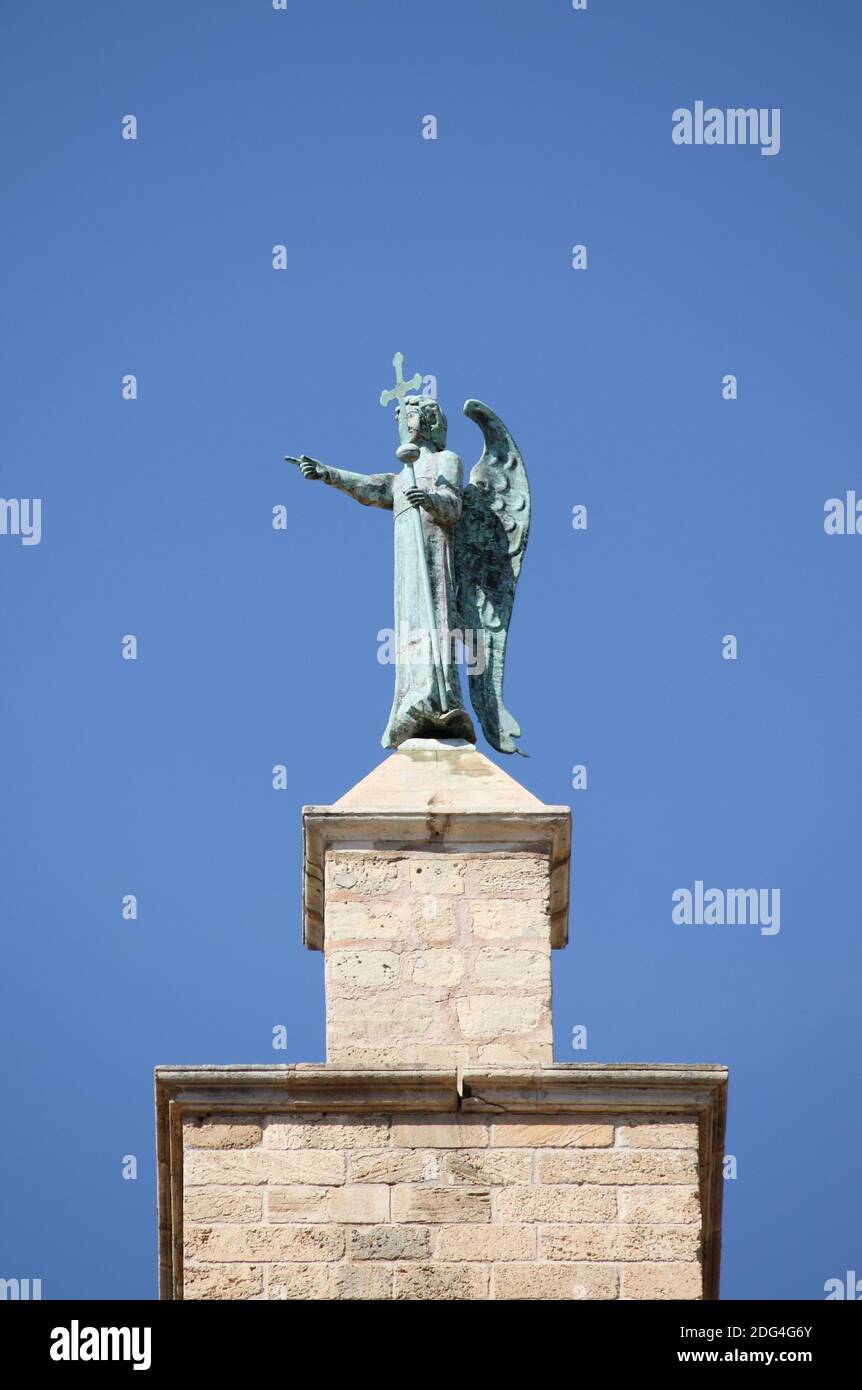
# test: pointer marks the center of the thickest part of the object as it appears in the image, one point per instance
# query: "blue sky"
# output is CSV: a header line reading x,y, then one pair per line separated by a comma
x,y
258,647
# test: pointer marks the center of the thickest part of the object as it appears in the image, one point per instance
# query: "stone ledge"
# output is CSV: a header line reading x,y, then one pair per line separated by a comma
x,y
306,1086
586,1087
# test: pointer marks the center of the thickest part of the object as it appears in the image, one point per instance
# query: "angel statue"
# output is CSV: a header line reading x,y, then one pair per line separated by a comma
x,y
458,553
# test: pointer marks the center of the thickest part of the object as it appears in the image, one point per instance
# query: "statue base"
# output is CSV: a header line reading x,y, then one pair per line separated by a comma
x,y
440,1154
436,889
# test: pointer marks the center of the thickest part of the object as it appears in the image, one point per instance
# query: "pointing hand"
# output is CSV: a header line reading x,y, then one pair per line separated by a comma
x,y
309,467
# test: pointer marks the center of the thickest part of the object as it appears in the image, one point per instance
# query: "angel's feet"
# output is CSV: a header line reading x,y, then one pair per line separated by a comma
x,y
455,723
425,722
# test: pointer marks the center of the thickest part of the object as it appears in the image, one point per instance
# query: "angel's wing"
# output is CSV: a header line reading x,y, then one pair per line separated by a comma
x,y
490,544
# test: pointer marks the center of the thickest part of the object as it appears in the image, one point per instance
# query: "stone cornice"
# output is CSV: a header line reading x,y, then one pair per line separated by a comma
x,y
583,1086
306,1086
549,827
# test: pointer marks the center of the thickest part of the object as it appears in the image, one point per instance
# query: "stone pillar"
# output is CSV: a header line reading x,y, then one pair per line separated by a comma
x,y
436,889
440,1153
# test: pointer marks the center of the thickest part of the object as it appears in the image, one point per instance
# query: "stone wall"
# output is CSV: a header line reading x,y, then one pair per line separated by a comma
x,y
441,1206
438,957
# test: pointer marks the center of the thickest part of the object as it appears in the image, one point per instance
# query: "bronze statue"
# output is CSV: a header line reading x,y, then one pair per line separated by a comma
x,y
458,553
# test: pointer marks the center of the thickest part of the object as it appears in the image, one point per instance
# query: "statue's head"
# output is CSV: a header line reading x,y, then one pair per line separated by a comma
x,y
423,421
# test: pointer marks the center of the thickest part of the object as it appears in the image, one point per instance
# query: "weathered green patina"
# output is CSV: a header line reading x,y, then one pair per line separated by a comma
x,y
458,553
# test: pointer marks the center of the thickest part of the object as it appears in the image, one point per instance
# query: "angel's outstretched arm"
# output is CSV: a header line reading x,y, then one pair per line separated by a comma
x,y
371,489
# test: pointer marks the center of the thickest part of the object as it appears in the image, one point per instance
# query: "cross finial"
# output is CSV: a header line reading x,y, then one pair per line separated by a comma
x,y
401,387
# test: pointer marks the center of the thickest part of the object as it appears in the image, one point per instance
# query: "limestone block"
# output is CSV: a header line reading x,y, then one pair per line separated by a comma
x,y
441,1132
366,969
391,1243
401,1054
355,1203
507,919
250,1244
623,1167
386,1021
437,874
536,1054
670,1132
230,1133
361,1281
435,920
585,1241
299,1282
391,1167
366,921
659,1280
510,874
513,969
253,1166
485,1243
659,1204
236,1282
223,1204
437,967
555,1281
569,1203
541,1132
440,1204
441,1281
365,874
317,1131
485,1166
489,1015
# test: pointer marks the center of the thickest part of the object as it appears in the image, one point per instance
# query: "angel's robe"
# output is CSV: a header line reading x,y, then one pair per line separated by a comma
x,y
416,708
